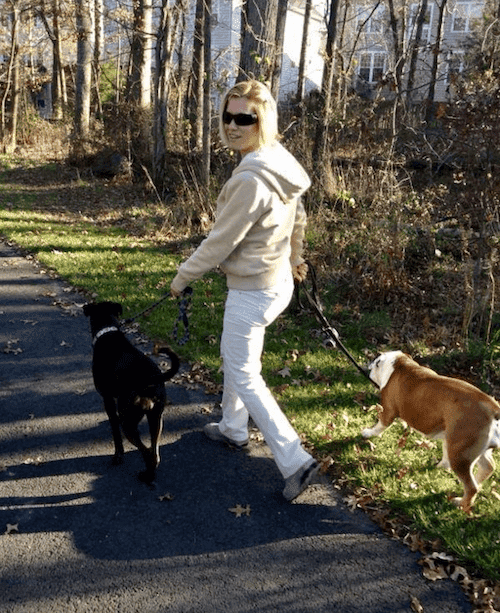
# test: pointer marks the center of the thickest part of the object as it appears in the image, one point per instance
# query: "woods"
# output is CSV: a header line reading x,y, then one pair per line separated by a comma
x,y
398,126
154,55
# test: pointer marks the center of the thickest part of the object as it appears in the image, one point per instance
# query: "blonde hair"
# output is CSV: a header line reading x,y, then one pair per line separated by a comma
x,y
264,105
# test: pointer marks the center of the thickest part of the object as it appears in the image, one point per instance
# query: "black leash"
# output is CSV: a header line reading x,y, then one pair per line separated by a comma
x,y
313,298
182,317
147,309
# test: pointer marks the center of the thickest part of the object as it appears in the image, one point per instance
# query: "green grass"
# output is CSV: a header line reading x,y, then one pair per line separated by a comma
x,y
321,392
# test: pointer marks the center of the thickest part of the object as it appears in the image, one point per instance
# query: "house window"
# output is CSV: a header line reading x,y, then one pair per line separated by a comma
x,y
371,66
371,21
425,36
465,16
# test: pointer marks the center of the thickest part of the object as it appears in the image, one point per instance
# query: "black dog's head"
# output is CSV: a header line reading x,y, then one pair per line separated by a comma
x,y
95,309
102,315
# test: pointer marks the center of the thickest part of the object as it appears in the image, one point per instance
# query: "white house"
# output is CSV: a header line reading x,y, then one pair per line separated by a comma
x,y
365,43
374,57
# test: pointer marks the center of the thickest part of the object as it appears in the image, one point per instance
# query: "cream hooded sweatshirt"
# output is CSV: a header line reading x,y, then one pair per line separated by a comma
x,y
260,223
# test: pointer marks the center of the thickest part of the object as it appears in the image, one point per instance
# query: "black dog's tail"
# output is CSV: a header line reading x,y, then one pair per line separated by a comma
x,y
165,376
174,364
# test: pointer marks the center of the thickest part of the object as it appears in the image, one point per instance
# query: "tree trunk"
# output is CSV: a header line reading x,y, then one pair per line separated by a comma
x,y
327,83
258,40
165,45
398,27
183,77
397,20
98,48
280,41
9,81
303,52
59,98
207,82
14,98
16,87
414,49
139,80
430,111
85,35
196,81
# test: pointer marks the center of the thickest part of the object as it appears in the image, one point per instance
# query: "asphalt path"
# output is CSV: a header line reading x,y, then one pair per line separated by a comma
x,y
78,535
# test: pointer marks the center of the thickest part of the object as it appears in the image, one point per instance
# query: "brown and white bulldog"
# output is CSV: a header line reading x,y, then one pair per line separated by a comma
x,y
464,417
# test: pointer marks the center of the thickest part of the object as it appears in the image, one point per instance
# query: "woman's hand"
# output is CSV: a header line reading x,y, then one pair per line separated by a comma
x,y
299,272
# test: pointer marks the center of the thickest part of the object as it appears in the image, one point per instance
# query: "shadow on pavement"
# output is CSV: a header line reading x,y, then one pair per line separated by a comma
x,y
187,513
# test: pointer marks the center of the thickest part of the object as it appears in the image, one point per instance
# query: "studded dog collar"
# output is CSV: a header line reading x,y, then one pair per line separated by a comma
x,y
103,332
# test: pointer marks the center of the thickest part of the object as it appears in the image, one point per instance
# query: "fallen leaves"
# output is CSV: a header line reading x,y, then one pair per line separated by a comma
x,y
38,461
483,594
199,376
167,497
239,510
11,528
415,605
436,564
72,309
284,372
9,347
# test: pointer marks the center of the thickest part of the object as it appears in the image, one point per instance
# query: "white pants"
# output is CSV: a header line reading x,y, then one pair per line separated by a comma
x,y
246,316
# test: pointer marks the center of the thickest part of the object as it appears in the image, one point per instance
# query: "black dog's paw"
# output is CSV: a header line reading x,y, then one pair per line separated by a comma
x,y
146,477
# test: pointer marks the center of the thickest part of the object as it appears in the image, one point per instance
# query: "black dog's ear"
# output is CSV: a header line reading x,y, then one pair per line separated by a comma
x,y
116,308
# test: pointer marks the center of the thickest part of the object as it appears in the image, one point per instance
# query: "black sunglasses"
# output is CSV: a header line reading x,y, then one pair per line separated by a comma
x,y
240,119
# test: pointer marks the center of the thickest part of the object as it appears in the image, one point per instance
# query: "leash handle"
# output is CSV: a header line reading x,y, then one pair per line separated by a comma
x,y
184,301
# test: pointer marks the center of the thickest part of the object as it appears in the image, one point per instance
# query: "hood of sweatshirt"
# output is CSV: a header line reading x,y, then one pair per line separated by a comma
x,y
278,167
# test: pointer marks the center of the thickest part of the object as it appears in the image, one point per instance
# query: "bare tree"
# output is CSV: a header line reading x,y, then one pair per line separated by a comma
x,y
258,39
98,48
85,33
430,111
416,37
279,44
196,79
170,20
327,82
139,79
207,83
59,94
303,52
12,77
397,24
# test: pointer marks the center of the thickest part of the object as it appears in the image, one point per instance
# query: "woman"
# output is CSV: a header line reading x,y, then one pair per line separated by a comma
x,y
257,242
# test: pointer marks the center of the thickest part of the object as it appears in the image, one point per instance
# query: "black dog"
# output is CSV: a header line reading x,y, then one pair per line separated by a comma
x,y
130,383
